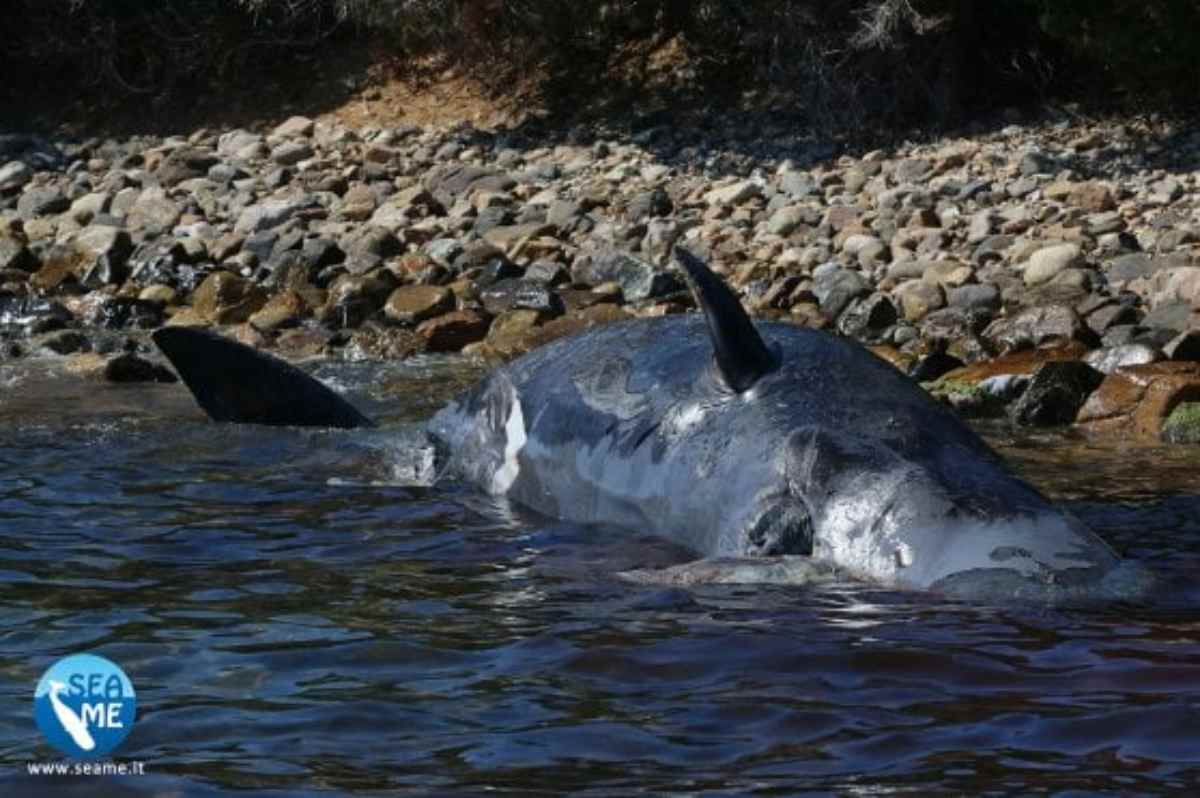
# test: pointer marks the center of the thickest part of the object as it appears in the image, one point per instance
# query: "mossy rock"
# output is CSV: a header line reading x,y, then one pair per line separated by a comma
x,y
1183,425
968,398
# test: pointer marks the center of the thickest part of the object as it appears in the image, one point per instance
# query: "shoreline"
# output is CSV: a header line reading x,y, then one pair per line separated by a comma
x,y
1049,271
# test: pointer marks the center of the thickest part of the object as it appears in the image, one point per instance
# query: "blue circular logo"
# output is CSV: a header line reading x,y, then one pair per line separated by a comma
x,y
85,706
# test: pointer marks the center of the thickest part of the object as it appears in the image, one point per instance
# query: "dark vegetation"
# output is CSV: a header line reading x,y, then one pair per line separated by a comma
x,y
838,63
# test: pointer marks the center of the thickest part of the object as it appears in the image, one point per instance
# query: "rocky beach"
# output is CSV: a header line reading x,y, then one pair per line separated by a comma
x,y
1048,271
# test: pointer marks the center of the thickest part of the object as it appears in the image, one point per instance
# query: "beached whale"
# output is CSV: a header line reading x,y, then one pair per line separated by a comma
x,y
772,451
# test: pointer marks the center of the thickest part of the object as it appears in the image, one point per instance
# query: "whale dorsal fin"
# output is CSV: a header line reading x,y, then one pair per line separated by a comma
x,y
233,382
741,355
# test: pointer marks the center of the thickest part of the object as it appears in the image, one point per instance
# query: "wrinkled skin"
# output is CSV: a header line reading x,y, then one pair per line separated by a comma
x,y
834,455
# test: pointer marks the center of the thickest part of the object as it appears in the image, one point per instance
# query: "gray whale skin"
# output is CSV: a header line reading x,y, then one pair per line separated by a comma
x,y
774,452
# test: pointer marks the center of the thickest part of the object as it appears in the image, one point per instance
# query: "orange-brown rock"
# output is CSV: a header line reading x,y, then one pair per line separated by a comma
x,y
1135,400
452,331
1026,361
227,298
901,360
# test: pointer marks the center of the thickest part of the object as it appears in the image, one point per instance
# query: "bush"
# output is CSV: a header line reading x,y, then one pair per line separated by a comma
x,y
850,62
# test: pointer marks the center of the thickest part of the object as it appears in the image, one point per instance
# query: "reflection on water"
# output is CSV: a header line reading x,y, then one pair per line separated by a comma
x,y
292,625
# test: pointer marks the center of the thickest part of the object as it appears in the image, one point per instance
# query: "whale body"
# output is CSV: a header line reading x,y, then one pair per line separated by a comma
x,y
748,444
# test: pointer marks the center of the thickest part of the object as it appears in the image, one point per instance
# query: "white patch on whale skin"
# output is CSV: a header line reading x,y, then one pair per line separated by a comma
x,y
514,441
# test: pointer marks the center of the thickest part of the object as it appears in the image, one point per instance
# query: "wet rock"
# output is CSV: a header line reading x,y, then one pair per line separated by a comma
x,y
119,312
284,309
933,366
123,368
413,304
374,342
1055,394
508,294
1020,363
355,298
513,333
62,342
227,298
1136,400
452,331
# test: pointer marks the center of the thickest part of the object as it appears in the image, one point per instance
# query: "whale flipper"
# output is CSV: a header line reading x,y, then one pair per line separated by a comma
x,y
233,382
740,354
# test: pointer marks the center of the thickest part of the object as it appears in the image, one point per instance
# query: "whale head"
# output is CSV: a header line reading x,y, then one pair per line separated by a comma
x,y
918,512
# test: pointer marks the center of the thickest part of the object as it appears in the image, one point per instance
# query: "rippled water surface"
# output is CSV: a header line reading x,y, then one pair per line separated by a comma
x,y
295,623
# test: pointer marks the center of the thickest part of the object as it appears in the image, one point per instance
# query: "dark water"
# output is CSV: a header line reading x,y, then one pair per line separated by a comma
x,y
294,624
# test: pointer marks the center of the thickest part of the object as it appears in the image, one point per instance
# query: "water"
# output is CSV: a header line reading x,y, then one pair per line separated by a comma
x,y
296,625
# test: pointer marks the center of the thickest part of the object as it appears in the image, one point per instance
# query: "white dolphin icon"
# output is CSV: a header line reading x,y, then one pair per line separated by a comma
x,y
69,720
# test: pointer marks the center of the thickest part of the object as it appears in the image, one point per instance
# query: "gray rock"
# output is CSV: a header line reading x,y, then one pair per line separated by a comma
x,y
521,294
293,127
785,220
237,141
638,279
270,213
1110,358
106,252
734,194
1036,327
1047,262
913,170
836,288
42,201
1173,316
153,213
412,304
1185,346
547,272
14,175
798,184
1110,315
869,319
975,296
1138,265
292,152
918,299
